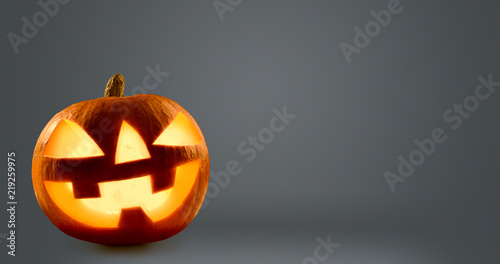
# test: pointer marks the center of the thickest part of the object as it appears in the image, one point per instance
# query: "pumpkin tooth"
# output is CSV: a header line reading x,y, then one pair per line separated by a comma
x,y
83,189
164,181
131,218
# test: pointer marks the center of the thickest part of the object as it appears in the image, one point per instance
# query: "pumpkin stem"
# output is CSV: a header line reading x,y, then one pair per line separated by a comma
x,y
115,86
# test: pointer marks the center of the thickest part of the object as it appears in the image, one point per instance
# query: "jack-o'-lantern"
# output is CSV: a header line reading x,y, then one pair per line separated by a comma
x,y
121,170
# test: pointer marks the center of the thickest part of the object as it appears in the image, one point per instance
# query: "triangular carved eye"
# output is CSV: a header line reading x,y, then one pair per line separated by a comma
x,y
180,132
69,140
130,145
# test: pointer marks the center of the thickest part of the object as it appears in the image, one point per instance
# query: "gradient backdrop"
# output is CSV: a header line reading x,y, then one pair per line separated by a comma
x,y
323,175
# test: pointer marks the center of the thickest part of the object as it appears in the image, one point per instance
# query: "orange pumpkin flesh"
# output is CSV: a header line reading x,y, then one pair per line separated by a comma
x,y
138,173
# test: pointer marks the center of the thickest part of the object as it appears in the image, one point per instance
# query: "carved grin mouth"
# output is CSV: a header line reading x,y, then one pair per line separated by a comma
x,y
105,211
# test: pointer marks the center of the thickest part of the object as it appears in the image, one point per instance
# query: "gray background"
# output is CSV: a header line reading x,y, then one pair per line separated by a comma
x,y
323,175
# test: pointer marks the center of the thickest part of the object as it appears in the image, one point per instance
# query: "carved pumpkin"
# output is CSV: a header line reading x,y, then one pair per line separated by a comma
x,y
121,170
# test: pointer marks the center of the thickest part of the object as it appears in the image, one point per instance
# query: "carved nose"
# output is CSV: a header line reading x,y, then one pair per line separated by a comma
x,y
130,145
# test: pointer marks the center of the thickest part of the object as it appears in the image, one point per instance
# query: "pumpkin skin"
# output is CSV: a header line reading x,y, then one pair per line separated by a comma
x,y
103,120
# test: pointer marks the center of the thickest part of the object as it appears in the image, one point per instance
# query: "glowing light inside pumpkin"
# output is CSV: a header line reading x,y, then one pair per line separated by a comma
x,y
130,145
69,140
116,195
180,132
